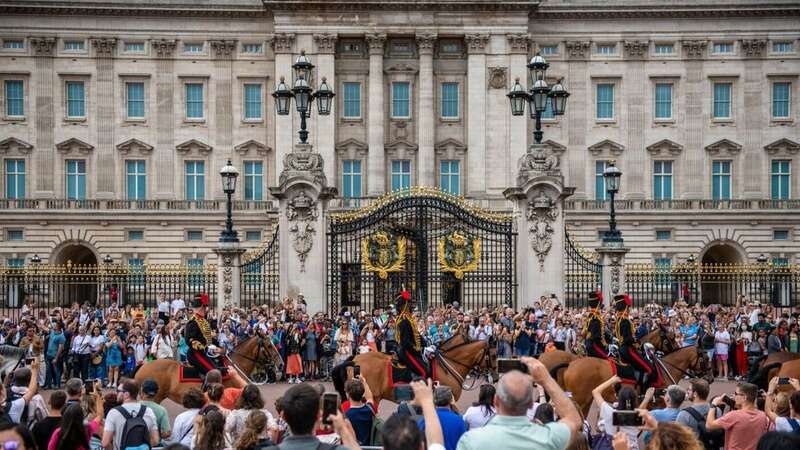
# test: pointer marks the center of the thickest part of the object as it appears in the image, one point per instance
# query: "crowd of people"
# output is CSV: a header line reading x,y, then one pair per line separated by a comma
x,y
95,348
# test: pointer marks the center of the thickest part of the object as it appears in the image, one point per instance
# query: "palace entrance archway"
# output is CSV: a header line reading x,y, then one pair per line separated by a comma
x,y
719,263
79,281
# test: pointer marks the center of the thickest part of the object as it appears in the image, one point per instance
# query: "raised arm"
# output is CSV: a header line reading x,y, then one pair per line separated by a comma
x,y
423,397
33,386
563,406
597,393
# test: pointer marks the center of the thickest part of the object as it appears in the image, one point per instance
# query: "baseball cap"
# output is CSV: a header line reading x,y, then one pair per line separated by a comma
x,y
150,387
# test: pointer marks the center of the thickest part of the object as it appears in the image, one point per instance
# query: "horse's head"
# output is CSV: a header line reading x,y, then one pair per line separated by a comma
x,y
702,365
272,353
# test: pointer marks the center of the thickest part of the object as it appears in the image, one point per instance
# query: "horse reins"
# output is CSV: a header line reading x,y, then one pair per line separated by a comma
x,y
447,363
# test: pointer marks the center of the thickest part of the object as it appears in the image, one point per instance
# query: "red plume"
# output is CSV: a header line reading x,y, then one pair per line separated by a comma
x,y
599,294
628,300
204,299
406,295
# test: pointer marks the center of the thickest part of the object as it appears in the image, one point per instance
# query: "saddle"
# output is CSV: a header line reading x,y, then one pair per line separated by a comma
x,y
629,374
190,374
399,373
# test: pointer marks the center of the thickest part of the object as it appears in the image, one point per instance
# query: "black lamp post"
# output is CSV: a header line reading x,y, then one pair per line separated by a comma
x,y
303,95
538,96
612,176
762,259
108,260
229,175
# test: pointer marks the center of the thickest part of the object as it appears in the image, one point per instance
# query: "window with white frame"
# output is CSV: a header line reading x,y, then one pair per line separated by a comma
x,y
134,47
76,99
253,49
548,50
449,100
15,98
15,179
401,174
782,47
663,235
252,101
351,178
450,176
134,97
13,44
662,180
401,99
352,100
780,235
721,180
723,48
15,235
781,99
252,235
663,271
722,100
74,46
605,101
664,49
195,180
135,235
15,263
663,101
780,178
136,179
193,48
194,101
606,49
600,192
194,235
76,179
253,180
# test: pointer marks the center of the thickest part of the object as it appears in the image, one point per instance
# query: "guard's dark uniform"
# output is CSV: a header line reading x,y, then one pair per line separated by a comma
x,y
410,352
624,332
198,336
594,334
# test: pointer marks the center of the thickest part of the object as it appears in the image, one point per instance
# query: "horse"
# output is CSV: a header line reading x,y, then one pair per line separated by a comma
x,y
770,366
11,358
243,358
790,369
454,360
585,374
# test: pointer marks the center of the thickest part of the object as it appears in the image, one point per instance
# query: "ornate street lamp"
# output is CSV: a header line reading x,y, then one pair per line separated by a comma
x,y
229,175
762,259
303,94
36,260
612,176
108,260
538,96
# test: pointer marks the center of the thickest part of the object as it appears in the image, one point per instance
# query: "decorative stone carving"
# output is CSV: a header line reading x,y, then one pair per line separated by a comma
x,y
542,212
359,148
636,49
606,146
498,77
326,42
376,42
476,43
541,159
13,144
74,145
410,68
134,146
724,146
164,48
784,146
577,50
754,47
616,271
694,49
303,160
450,148
301,211
252,145
43,46
227,279
301,208
426,43
223,49
193,145
283,42
665,147
104,47
518,43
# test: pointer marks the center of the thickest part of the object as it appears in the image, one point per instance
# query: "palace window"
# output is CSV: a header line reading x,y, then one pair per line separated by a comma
x,y
780,235
450,176
782,47
606,49
15,98
193,47
663,101
549,50
16,263
723,48
195,180
134,47
721,180
722,100
605,101
13,44
15,235
664,49
135,97
780,178
351,178
76,100
401,100
663,235
194,100
76,179
252,49
450,100
252,236
401,174
781,97
352,100
135,235
600,192
74,46
137,179
662,180
253,180
15,179
252,101
194,235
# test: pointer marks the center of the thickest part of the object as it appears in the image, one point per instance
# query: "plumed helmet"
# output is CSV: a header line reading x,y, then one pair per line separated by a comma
x,y
402,299
200,300
595,298
622,302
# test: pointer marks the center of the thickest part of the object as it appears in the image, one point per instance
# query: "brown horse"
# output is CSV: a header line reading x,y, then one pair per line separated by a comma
x,y
244,358
769,367
790,369
585,374
454,361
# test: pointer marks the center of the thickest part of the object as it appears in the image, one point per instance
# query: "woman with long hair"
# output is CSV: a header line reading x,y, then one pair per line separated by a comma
x,y
250,400
210,433
162,344
627,400
255,433
294,364
483,410
114,349
73,434
214,392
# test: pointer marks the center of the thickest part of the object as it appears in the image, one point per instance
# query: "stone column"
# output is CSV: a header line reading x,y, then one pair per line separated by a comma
x,y
579,85
476,112
694,157
325,136
613,260
635,124
518,125
539,197
283,46
229,274
376,181
754,120
43,78
426,158
223,51
164,154
303,194
105,98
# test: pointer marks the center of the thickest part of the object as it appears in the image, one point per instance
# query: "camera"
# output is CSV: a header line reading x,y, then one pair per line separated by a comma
x,y
508,364
330,406
783,380
356,371
626,419
403,393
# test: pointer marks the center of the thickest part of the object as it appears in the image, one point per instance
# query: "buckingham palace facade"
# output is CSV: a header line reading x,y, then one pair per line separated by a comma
x,y
118,115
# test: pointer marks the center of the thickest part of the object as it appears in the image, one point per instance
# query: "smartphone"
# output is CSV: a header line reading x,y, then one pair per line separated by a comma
x,y
627,419
28,361
403,393
659,392
330,406
356,371
783,380
89,385
508,364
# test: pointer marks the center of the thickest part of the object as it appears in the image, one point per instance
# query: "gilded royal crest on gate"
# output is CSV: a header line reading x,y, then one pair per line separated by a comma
x,y
383,253
459,254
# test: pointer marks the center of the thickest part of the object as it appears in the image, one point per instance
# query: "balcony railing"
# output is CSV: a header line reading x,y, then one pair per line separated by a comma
x,y
140,205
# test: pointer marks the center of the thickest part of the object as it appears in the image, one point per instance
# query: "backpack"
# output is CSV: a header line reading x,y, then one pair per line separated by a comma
x,y
12,396
375,437
135,435
795,424
712,440
602,441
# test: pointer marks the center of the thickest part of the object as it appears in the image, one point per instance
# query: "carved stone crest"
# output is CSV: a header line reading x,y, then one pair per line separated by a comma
x,y
164,48
518,43
636,49
303,160
283,42
104,47
498,77
754,47
476,43
43,46
301,208
694,49
540,159
542,212
301,211
326,42
616,267
223,48
578,49
303,241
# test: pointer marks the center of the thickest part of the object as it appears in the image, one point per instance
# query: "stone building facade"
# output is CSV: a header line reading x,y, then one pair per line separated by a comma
x,y
117,116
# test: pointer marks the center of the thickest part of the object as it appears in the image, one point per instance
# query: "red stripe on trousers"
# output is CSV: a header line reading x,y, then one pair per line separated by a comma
x,y
414,361
599,350
202,360
635,355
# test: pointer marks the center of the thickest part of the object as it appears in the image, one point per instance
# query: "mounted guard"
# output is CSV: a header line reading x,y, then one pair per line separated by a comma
x,y
594,330
410,352
628,347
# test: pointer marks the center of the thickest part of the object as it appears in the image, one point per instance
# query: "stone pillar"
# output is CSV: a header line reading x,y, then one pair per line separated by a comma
x,y
539,197
303,194
376,181
694,95
476,112
636,83
518,125
283,46
613,260
755,122
45,155
223,51
579,85
164,154
104,57
229,274
326,125
426,158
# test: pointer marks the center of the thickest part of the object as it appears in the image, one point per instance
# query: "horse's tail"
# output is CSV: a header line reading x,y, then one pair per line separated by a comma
x,y
761,378
339,376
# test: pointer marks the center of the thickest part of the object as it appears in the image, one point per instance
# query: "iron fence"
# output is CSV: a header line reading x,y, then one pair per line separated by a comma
x,y
582,274
40,287
260,274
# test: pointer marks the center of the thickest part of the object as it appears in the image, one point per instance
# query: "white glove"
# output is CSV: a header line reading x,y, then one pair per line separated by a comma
x,y
213,350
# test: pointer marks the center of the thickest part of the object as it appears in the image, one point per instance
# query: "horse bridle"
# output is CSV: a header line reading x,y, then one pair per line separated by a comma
x,y
447,363
691,372
254,360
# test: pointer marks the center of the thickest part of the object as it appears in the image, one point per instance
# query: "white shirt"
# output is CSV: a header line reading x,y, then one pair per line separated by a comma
x,y
607,414
18,405
115,421
177,305
82,344
721,347
183,428
96,342
163,307
476,416
782,424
